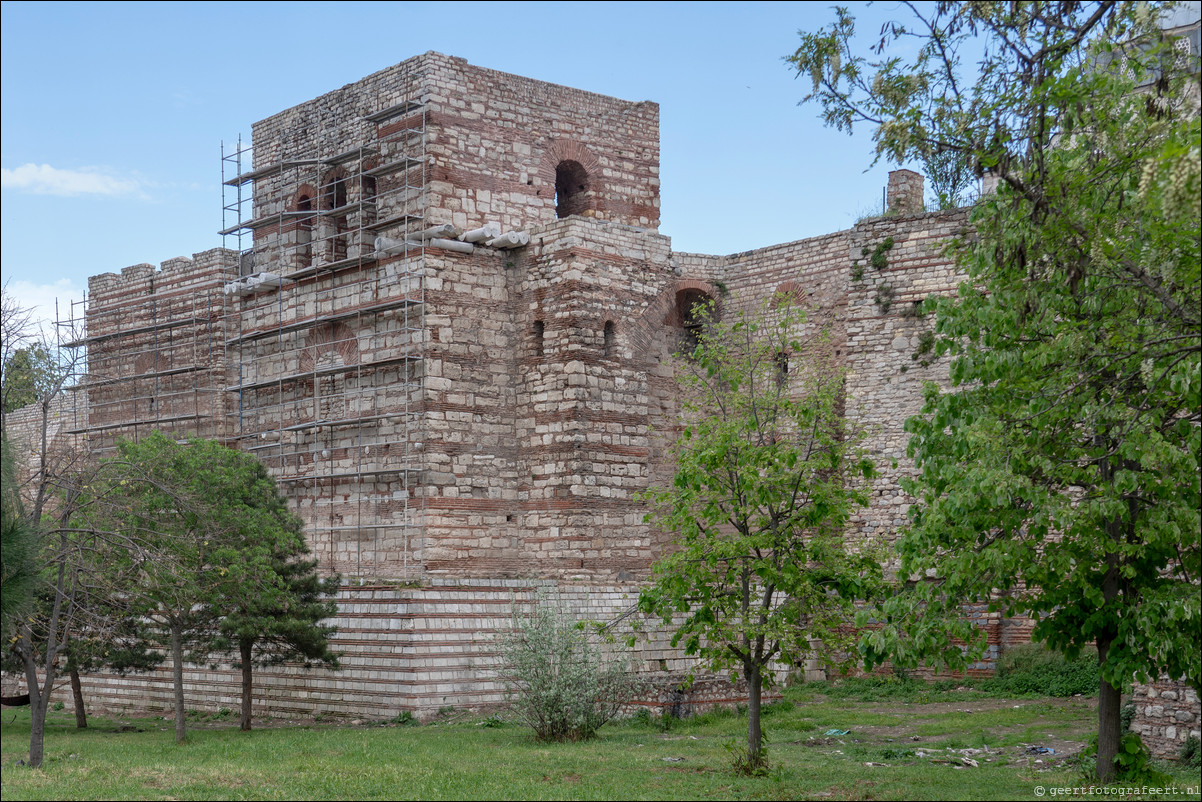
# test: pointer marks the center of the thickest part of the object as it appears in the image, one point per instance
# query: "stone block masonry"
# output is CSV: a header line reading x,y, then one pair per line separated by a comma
x,y
460,429
1166,716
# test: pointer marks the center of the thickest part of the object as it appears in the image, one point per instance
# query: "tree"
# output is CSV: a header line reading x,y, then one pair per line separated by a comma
x,y
283,621
767,475
45,499
29,374
224,561
1059,473
19,544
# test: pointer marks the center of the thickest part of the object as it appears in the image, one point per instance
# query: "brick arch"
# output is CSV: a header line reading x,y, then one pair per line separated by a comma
x,y
305,190
561,151
684,289
789,292
327,338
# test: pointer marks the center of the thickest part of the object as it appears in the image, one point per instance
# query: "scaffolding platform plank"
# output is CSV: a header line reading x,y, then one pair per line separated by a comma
x,y
397,110
299,325
327,371
350,261
351,155
398,220
166,324
263,172
406,163
135,423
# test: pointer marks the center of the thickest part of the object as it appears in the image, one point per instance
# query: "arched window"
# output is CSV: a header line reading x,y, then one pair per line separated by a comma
x,y
695,308
571,189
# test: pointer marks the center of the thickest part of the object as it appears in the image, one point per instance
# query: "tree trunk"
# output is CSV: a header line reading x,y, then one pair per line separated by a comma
x,y
755,735
1110,701
81,715
177,676
39,698
1109,697
244,648
37,728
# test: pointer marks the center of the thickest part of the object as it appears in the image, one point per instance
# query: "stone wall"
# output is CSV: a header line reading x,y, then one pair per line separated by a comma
x,y
156,349
1166,715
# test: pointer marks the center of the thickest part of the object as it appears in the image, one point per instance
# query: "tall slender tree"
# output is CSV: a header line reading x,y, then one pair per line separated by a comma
x,y
767,475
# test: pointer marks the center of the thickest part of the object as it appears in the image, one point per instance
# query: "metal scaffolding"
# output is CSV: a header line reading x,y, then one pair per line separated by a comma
x,y
150,362
325,336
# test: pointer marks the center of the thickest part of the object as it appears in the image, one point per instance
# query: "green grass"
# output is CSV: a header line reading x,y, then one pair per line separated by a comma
x,y
483,758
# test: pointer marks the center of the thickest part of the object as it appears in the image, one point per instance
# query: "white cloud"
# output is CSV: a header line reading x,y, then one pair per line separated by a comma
x,y
39,299
42,179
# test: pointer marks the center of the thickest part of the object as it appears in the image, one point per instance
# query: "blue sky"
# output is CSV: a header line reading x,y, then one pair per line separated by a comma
x,y
114,113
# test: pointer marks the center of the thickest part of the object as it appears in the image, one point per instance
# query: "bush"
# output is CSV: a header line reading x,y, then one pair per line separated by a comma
x,y
559,680
1032,668
1190,754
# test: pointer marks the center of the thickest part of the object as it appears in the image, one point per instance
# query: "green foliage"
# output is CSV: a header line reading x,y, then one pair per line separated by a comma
x,y
883,297
1127,715
19,543
221,561
29,374
767,475
1059,475
1190,755
880,254
949,176
1033,668
1132,764
559,679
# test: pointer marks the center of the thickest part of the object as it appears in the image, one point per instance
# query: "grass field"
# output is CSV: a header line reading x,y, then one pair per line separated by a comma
x,y
910,745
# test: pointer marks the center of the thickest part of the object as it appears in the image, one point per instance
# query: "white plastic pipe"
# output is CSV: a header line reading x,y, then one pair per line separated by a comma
x,y
487,231
510,239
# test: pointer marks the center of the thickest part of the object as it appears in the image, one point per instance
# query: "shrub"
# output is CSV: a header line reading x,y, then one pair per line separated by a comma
x,y
1190,754
1032,668
559,680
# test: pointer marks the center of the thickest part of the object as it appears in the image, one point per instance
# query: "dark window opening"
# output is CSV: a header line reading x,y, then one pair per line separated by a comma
x,y
334,197
782,368
571,189
607,349
334,193
539,329
695,308
304,233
